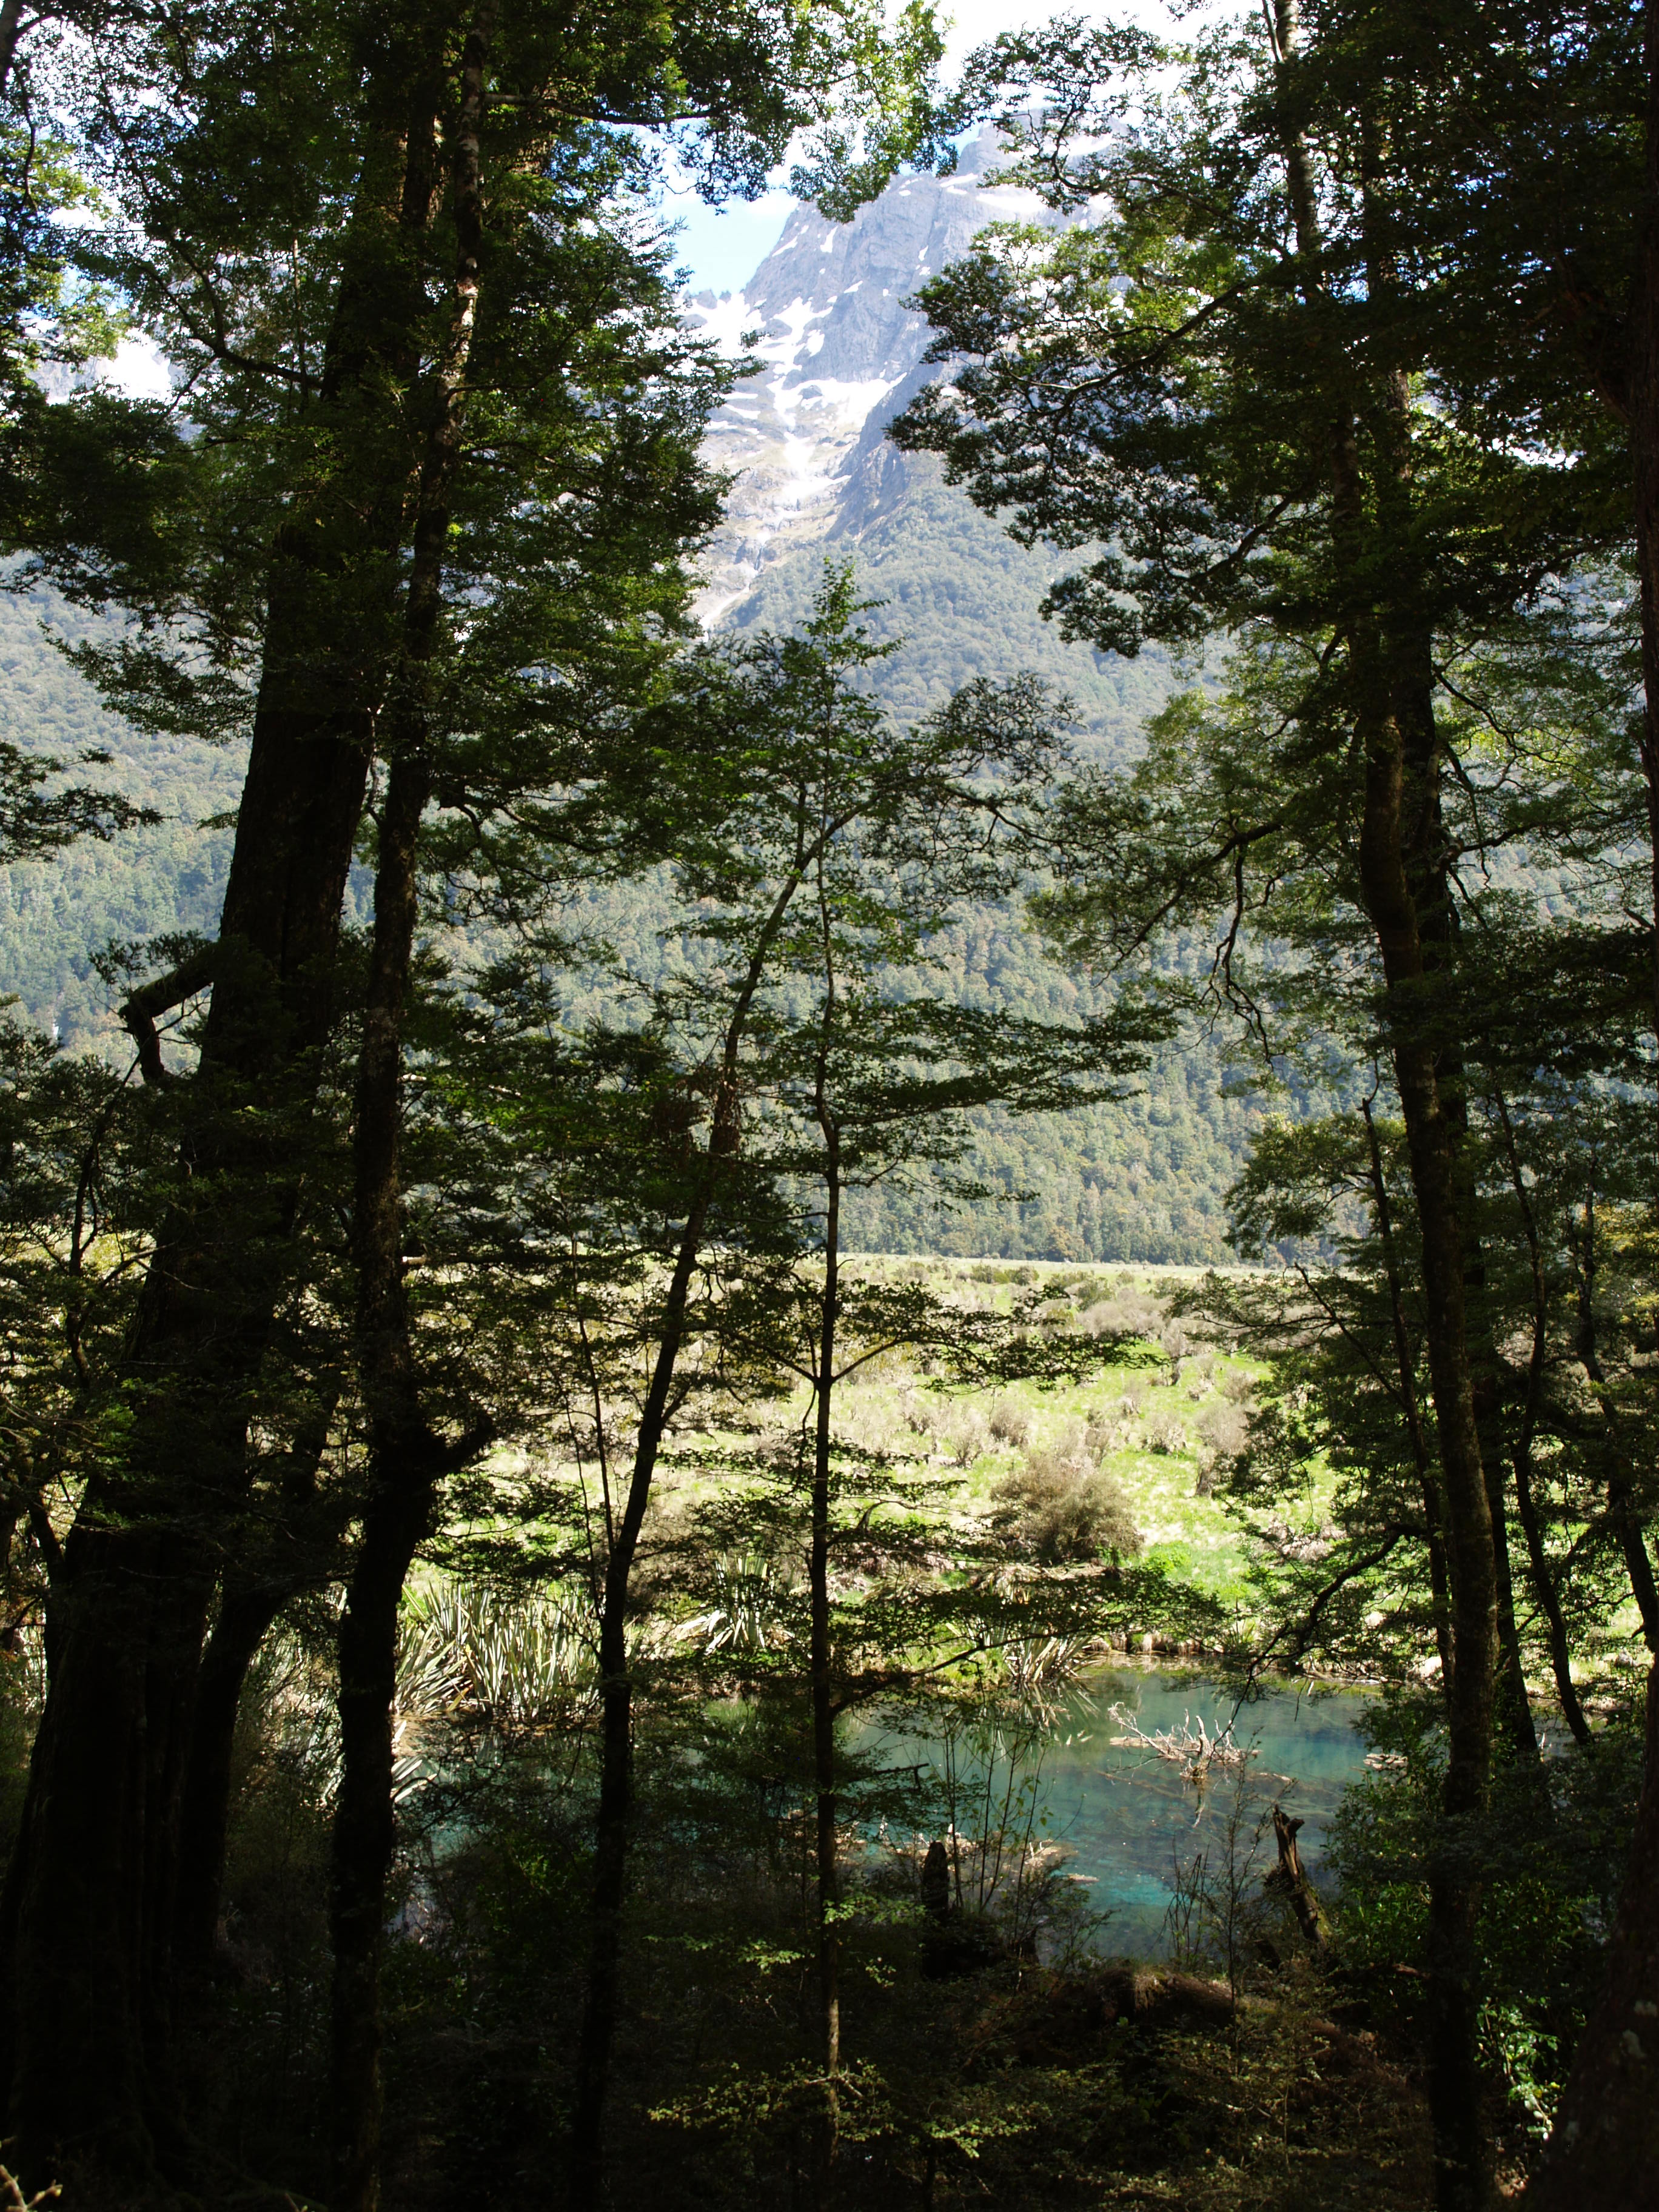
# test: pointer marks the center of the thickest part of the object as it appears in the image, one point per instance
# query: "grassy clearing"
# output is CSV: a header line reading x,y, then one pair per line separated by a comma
x,y
1161,1416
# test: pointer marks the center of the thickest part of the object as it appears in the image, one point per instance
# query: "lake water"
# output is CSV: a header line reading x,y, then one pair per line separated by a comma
x,y
1124,1815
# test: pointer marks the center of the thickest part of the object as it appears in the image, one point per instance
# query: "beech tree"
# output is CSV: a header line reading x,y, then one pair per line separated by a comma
x,y
1218,377
420,351
874,1082
1517,163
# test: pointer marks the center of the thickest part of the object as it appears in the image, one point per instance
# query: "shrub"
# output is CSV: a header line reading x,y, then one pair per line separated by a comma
x,y
1164,1431
1105,1429
1011,1424
1070,1441
1125,1314
964,1435
871,1428
1061,1509
918,1414
1225,1430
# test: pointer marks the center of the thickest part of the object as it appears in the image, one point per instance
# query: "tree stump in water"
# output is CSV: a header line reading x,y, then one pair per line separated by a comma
x,y
953,1941
935,1882
1289,1879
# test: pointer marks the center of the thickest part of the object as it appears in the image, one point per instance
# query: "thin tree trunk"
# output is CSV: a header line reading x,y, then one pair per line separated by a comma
x,y
406,1461
250,1599
1513,1708
1543,1581
406,1464
1549,1600
1515,1700
613,1821
823,1692
615,1807
823,1705
245,1614
1439,1581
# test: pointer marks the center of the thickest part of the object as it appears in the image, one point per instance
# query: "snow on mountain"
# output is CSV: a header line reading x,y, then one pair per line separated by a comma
x,y
840,354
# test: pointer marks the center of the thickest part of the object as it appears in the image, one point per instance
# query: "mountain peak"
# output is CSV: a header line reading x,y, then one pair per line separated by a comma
x,y
841,353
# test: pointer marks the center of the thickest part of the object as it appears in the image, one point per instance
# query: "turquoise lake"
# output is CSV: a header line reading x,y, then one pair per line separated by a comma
x,y
1122,1815
1126,1813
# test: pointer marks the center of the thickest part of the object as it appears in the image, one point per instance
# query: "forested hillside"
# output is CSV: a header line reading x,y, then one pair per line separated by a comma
x,y
1141,1180
1144,1179
55,916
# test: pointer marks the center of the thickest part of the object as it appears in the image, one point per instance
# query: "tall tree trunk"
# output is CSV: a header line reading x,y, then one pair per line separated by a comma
x,y
85,1986
1462,2156
1397,845
1397,850
823,1705
404,1466
1604,2147
1404,888
91,1971
1406,661
406,1460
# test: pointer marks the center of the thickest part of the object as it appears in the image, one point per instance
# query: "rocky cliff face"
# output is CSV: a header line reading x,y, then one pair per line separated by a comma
x,y
842,355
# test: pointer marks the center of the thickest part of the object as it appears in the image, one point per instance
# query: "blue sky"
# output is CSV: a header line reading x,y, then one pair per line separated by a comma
x,y
723,246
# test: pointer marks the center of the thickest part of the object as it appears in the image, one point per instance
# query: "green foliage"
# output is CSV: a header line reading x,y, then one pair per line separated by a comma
x,y
1554,1866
